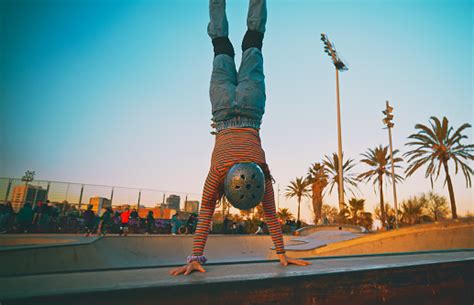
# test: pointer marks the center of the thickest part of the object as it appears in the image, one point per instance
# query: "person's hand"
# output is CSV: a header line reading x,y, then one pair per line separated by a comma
x,y
188,269
285,260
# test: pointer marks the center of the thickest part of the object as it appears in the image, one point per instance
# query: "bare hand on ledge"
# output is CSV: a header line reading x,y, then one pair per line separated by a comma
x,y
188,269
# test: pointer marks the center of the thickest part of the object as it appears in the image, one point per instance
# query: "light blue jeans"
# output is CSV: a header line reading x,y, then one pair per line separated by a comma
x,y
239,93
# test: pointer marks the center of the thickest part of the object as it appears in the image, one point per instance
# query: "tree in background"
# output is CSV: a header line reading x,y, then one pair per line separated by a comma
x,y
348,179
225,205
434,147
413,209
329,214
378,160
318,179
436,205
284,214
246,214
258,212
298,189
354,213
389,213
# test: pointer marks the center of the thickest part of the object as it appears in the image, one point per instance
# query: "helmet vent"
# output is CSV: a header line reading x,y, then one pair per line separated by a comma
x,y
242,176
237,187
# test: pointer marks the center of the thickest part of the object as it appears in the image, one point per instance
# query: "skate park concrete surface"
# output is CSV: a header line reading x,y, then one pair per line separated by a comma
x,y
435,277
80,264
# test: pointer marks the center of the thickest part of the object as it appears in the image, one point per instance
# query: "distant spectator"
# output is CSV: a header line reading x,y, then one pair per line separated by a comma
x,y
225,225
241,228
6,217
191,223
37,212
259,229
125,218
24,218
174,224
89,218
105,221
150,222
134,214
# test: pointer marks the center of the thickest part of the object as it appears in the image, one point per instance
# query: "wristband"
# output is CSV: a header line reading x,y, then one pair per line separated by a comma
x,y
198,258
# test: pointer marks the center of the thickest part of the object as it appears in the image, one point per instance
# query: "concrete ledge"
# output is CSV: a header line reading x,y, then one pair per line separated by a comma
x,y
448,274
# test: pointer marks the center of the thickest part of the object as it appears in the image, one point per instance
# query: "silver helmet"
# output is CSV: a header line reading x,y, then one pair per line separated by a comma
x,y
244,185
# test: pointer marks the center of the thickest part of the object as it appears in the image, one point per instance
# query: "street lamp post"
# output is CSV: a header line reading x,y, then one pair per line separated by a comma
x,y
340,66
388,122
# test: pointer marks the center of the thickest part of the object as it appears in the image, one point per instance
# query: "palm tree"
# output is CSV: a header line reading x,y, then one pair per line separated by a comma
x,y
298,189
378,160
412,210
318,179
353,213
332,167
356,207
284,214
435,146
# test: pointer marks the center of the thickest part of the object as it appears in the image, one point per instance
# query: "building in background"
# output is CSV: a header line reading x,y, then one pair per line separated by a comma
x,y
121,207
172,202
98,203
158,212
191,206
27,193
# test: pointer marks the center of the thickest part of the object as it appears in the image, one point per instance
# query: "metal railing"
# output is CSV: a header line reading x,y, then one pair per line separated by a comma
x,y
80,194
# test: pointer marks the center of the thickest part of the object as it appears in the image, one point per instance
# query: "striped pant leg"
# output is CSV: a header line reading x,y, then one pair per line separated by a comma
x,y
208,205
269,210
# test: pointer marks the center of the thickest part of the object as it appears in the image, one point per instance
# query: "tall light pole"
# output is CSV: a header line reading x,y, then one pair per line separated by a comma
x,y
388,122
340,66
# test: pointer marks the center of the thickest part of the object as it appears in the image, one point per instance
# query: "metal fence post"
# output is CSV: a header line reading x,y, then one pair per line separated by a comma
x,y
8,189
80,196
111,195
139,198
47,191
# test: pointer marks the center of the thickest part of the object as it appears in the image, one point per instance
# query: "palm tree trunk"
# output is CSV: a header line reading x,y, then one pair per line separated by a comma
x,y
299,204
317,200
451,190
382,206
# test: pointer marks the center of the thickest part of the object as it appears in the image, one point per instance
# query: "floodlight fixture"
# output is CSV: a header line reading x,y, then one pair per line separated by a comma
x,y
330,49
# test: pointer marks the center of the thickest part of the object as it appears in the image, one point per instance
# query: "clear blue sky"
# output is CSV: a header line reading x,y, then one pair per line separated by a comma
x,y
116,92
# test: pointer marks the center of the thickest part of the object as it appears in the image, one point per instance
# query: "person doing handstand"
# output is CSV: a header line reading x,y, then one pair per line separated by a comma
x,y
238,104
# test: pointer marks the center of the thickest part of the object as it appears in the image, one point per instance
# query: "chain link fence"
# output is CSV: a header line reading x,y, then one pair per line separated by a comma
x,y
66,195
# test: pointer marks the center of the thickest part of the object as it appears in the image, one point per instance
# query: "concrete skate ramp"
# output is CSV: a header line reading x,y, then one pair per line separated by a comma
x,y
16,241
133,251
319,239
139,251
442,236
308,230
